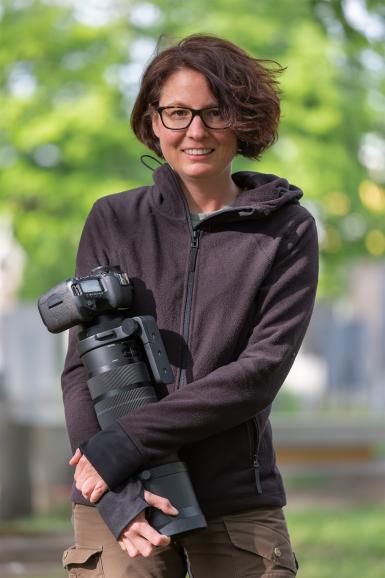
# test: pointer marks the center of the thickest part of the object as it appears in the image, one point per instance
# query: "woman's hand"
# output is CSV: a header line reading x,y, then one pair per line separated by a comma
x,y
141,539
87,479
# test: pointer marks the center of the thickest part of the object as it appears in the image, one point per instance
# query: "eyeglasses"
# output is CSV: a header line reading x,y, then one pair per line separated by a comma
x,y
177,118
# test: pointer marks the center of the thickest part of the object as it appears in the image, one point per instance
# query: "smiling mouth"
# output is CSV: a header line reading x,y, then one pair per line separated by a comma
x,y
198,152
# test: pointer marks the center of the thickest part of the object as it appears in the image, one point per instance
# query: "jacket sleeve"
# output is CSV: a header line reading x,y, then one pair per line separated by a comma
x,y
232,393
121,506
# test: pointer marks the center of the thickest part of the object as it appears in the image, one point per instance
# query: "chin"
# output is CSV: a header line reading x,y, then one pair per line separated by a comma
x,y
199,171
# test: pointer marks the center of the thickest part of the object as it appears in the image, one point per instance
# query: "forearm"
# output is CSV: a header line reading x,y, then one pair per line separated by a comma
x,y
220,401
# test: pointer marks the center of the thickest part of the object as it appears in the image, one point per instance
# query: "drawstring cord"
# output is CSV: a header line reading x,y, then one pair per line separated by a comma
x,y
148,166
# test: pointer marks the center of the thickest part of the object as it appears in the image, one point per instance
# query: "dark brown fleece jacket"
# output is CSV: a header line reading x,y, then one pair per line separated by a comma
x,y
232,300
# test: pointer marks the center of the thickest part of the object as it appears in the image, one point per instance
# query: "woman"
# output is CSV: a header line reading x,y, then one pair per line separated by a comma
x,y
227,264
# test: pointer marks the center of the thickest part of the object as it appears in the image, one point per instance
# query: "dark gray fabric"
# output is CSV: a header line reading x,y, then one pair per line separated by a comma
x,y
252,293
100,449
118,508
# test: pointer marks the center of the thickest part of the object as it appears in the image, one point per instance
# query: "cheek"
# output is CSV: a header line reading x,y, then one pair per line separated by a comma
x,y
168,140
163,137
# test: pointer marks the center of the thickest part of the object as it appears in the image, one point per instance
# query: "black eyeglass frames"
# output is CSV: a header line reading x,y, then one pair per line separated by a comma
x,y
180,118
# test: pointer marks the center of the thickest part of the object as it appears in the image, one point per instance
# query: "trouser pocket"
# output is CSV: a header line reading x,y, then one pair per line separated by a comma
x,y
261,535
83,562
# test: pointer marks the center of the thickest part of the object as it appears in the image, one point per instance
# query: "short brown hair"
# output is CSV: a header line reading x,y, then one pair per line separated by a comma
x,y
246,89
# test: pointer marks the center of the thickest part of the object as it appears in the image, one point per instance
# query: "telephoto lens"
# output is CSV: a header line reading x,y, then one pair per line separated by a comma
x,y
118,377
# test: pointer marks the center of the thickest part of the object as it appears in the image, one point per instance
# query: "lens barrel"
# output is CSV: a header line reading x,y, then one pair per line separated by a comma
x,y
119,381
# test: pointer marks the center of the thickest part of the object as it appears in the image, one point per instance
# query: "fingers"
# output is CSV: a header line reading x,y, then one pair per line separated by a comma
x,y
141,539
152,536
90,490
139,547
81,462
130,548
87,479
75,458
86,487
163,504
100,489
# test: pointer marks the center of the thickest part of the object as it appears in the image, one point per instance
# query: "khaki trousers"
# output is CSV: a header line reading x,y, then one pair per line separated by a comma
x,y
244,545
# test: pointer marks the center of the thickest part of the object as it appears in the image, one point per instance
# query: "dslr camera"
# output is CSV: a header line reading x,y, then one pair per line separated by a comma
x,y
124,358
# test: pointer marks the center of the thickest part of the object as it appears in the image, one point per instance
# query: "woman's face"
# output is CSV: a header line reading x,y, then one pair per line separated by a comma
x,y
196,152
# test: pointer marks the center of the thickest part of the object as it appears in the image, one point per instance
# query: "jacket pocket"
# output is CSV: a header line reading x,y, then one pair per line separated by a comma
x,y
262,532
83,562
255,442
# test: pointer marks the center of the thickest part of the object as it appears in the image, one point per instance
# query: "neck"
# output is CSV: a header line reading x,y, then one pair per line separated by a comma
x,y
207,195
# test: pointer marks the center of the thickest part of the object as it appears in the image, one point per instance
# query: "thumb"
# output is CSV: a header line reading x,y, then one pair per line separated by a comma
x,y
162,504
75,458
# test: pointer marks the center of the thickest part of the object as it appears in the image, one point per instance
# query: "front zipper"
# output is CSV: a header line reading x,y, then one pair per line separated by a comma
x,y
194,246
254,436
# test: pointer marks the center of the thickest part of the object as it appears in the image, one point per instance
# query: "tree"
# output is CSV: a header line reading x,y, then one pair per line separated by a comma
x,y
64,130
67,83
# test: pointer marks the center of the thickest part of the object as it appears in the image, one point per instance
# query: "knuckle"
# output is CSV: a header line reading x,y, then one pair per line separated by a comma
x,y
158,540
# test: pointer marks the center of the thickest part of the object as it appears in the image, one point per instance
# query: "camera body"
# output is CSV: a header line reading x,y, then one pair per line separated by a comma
x,y
124,358
80,299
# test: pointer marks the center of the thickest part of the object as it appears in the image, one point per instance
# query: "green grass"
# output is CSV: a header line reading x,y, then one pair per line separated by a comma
x,y
337,542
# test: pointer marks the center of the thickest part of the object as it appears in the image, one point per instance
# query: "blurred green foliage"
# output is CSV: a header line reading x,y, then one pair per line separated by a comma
x,y
332,542
68,76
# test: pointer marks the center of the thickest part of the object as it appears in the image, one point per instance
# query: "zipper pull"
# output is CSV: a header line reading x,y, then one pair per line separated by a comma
x,y
193,250
256,473
195,239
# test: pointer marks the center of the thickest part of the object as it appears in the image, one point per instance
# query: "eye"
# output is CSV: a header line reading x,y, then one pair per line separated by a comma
x,y
214,113
178,113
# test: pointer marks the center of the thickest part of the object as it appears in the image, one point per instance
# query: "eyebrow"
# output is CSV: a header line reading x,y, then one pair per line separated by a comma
x,y
179,104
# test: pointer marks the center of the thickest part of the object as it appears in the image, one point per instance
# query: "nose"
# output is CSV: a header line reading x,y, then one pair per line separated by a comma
x,y
197,129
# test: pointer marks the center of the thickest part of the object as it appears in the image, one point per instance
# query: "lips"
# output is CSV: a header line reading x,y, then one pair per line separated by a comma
x,y
198,152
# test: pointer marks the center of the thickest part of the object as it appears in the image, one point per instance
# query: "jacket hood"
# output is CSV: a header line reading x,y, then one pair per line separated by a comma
x,y
261,194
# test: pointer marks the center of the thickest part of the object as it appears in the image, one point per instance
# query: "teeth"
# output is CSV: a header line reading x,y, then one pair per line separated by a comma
x,y
197,151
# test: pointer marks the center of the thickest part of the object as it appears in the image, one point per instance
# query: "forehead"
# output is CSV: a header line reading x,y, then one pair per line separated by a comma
x,y
189,87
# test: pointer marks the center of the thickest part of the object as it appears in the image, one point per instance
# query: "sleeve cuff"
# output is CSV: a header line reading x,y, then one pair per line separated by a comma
x,y
114,455
119,508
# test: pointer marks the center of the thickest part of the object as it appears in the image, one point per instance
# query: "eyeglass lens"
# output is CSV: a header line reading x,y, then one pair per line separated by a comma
x,y
179,118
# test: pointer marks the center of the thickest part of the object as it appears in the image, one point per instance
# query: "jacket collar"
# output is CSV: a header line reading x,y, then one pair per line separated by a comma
x,y
261,194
